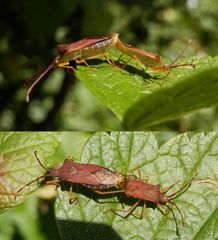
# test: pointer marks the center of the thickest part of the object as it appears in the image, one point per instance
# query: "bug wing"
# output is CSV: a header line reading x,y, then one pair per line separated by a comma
x,y
89,174
62,48
138,189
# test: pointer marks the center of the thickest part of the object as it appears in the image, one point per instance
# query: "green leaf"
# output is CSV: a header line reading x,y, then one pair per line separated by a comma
x,y
18,165
177,159
142,98
115,88
195,92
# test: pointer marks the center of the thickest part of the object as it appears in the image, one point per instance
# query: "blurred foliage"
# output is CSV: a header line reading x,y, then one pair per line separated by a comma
x,y
30,31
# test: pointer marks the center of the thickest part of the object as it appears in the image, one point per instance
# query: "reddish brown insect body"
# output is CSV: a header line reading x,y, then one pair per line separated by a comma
x,y
90,175
95,47
136,188
80,51
149,59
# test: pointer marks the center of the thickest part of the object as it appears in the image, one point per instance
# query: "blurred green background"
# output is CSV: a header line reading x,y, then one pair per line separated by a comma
x,y
30,31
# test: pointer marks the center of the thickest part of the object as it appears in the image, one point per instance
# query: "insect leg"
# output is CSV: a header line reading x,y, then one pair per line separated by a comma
x,y
71,199
138,61
66,65
129,211
54,182
106,55
110,192
133,207
140,176
143,210
126,63
83,61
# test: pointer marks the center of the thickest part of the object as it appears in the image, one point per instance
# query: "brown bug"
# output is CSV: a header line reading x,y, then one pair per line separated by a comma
x,y
136,188
89,175
79,51
148,58
95,47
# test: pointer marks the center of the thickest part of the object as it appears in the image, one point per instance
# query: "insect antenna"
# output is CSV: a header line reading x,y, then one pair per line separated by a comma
x,y
34,180
184,188
39,76
35,76
178,209
40,163
171,186
172,64
177,193
174,217
29,183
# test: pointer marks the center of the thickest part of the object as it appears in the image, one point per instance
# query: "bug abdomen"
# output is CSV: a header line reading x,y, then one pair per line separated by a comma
x,y
97,48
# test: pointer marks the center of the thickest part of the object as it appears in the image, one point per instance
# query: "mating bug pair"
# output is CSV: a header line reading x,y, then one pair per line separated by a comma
x,y
95,47
99,178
